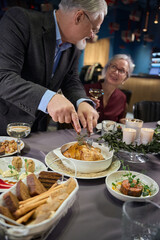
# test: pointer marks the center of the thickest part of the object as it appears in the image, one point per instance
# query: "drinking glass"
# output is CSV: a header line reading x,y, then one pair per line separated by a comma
x,y
107,126
140,220
18,130
96,93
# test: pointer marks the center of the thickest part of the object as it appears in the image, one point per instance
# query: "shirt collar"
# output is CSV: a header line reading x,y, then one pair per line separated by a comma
x,y
58,35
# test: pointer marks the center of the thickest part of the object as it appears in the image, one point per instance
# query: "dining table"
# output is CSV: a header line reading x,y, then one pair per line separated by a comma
x,y
95,214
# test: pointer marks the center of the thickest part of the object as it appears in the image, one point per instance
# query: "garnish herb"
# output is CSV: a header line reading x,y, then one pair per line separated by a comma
x,y
26,166
11,168
114,184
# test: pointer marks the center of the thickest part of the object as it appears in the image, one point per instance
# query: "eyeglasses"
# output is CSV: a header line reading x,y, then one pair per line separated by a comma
x,y
121,71
94,30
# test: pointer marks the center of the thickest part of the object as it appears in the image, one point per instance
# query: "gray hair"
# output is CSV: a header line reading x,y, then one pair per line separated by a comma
x,y
94,7
120,56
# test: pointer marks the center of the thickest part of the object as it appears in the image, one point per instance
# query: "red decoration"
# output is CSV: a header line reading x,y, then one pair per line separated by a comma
x,y
128,1
148,38
122,47
110,2
137,33
113,26
127,36
135,15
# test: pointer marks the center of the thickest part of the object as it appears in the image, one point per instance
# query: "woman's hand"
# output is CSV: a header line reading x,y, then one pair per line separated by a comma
x,y
96,101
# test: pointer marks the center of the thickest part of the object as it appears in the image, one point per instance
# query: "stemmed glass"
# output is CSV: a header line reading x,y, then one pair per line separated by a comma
x,y
96,93
18,130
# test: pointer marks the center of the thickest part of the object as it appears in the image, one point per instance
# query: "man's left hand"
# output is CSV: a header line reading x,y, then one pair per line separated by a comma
x,y
88,116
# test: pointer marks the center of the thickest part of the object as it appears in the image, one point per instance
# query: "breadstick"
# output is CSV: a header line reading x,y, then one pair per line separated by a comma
x,y
69,185
38,197
21,211
54,185
25,217
54,193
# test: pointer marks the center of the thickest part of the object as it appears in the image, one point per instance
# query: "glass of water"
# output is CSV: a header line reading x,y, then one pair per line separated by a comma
x,y
141,220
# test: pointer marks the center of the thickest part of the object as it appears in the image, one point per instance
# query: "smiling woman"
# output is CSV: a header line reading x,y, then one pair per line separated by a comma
x,y
113,105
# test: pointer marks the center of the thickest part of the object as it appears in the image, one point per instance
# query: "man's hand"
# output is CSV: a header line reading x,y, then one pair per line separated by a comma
x,y
62,110
88,116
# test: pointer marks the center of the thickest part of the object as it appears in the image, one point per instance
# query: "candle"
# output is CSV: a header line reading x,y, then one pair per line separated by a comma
x,y
129,135
135,124
146,135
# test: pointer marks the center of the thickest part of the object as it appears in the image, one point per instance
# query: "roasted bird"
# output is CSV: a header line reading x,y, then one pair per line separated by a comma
x,y
83,152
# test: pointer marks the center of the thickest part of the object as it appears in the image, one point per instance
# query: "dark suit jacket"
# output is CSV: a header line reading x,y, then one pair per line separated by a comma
x,y
27,46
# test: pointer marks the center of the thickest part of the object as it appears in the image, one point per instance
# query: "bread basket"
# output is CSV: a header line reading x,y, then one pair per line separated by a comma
x,y
37,231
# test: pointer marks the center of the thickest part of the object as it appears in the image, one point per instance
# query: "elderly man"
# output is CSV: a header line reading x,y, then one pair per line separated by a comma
x,y
38,56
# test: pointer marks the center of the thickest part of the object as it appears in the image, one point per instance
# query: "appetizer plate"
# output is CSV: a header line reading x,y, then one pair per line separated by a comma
x,y
119,176
2,139
55,164
4,162
99,125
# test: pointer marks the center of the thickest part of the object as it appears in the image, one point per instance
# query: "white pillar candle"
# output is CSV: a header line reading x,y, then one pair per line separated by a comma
x,y
135,124
129,135
146,135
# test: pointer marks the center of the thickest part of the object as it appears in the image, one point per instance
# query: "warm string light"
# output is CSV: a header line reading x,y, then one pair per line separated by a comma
x,y
146,22
156,19
157,12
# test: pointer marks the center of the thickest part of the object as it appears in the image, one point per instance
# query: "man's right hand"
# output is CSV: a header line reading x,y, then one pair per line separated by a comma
x,y
62,110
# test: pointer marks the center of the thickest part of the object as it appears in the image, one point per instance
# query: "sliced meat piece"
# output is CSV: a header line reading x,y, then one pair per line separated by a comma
x,y
135,191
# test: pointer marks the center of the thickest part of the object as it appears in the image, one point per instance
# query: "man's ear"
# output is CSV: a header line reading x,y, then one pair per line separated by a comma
x,y
79,16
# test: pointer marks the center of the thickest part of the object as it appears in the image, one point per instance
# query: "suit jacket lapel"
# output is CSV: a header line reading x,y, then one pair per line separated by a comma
x,y
49,39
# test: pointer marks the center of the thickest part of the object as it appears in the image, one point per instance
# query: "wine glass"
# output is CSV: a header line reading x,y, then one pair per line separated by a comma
x,y
18,130
96,93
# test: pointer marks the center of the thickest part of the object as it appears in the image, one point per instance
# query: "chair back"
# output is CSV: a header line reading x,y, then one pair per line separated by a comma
x,y
90,73
148,111
128,94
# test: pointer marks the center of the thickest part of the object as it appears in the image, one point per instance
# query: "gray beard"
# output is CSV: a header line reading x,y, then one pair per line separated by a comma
x,y
81,44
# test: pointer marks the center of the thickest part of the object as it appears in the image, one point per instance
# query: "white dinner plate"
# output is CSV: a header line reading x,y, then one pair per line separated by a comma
x,y
158,122
99,125
54,163
2,139
118,177
4,162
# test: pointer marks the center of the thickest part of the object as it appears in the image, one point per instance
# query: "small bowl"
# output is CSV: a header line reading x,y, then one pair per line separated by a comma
x,y
119,176
85,166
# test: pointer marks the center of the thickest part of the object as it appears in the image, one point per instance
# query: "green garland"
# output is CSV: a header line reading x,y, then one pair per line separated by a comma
x,y
114,141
